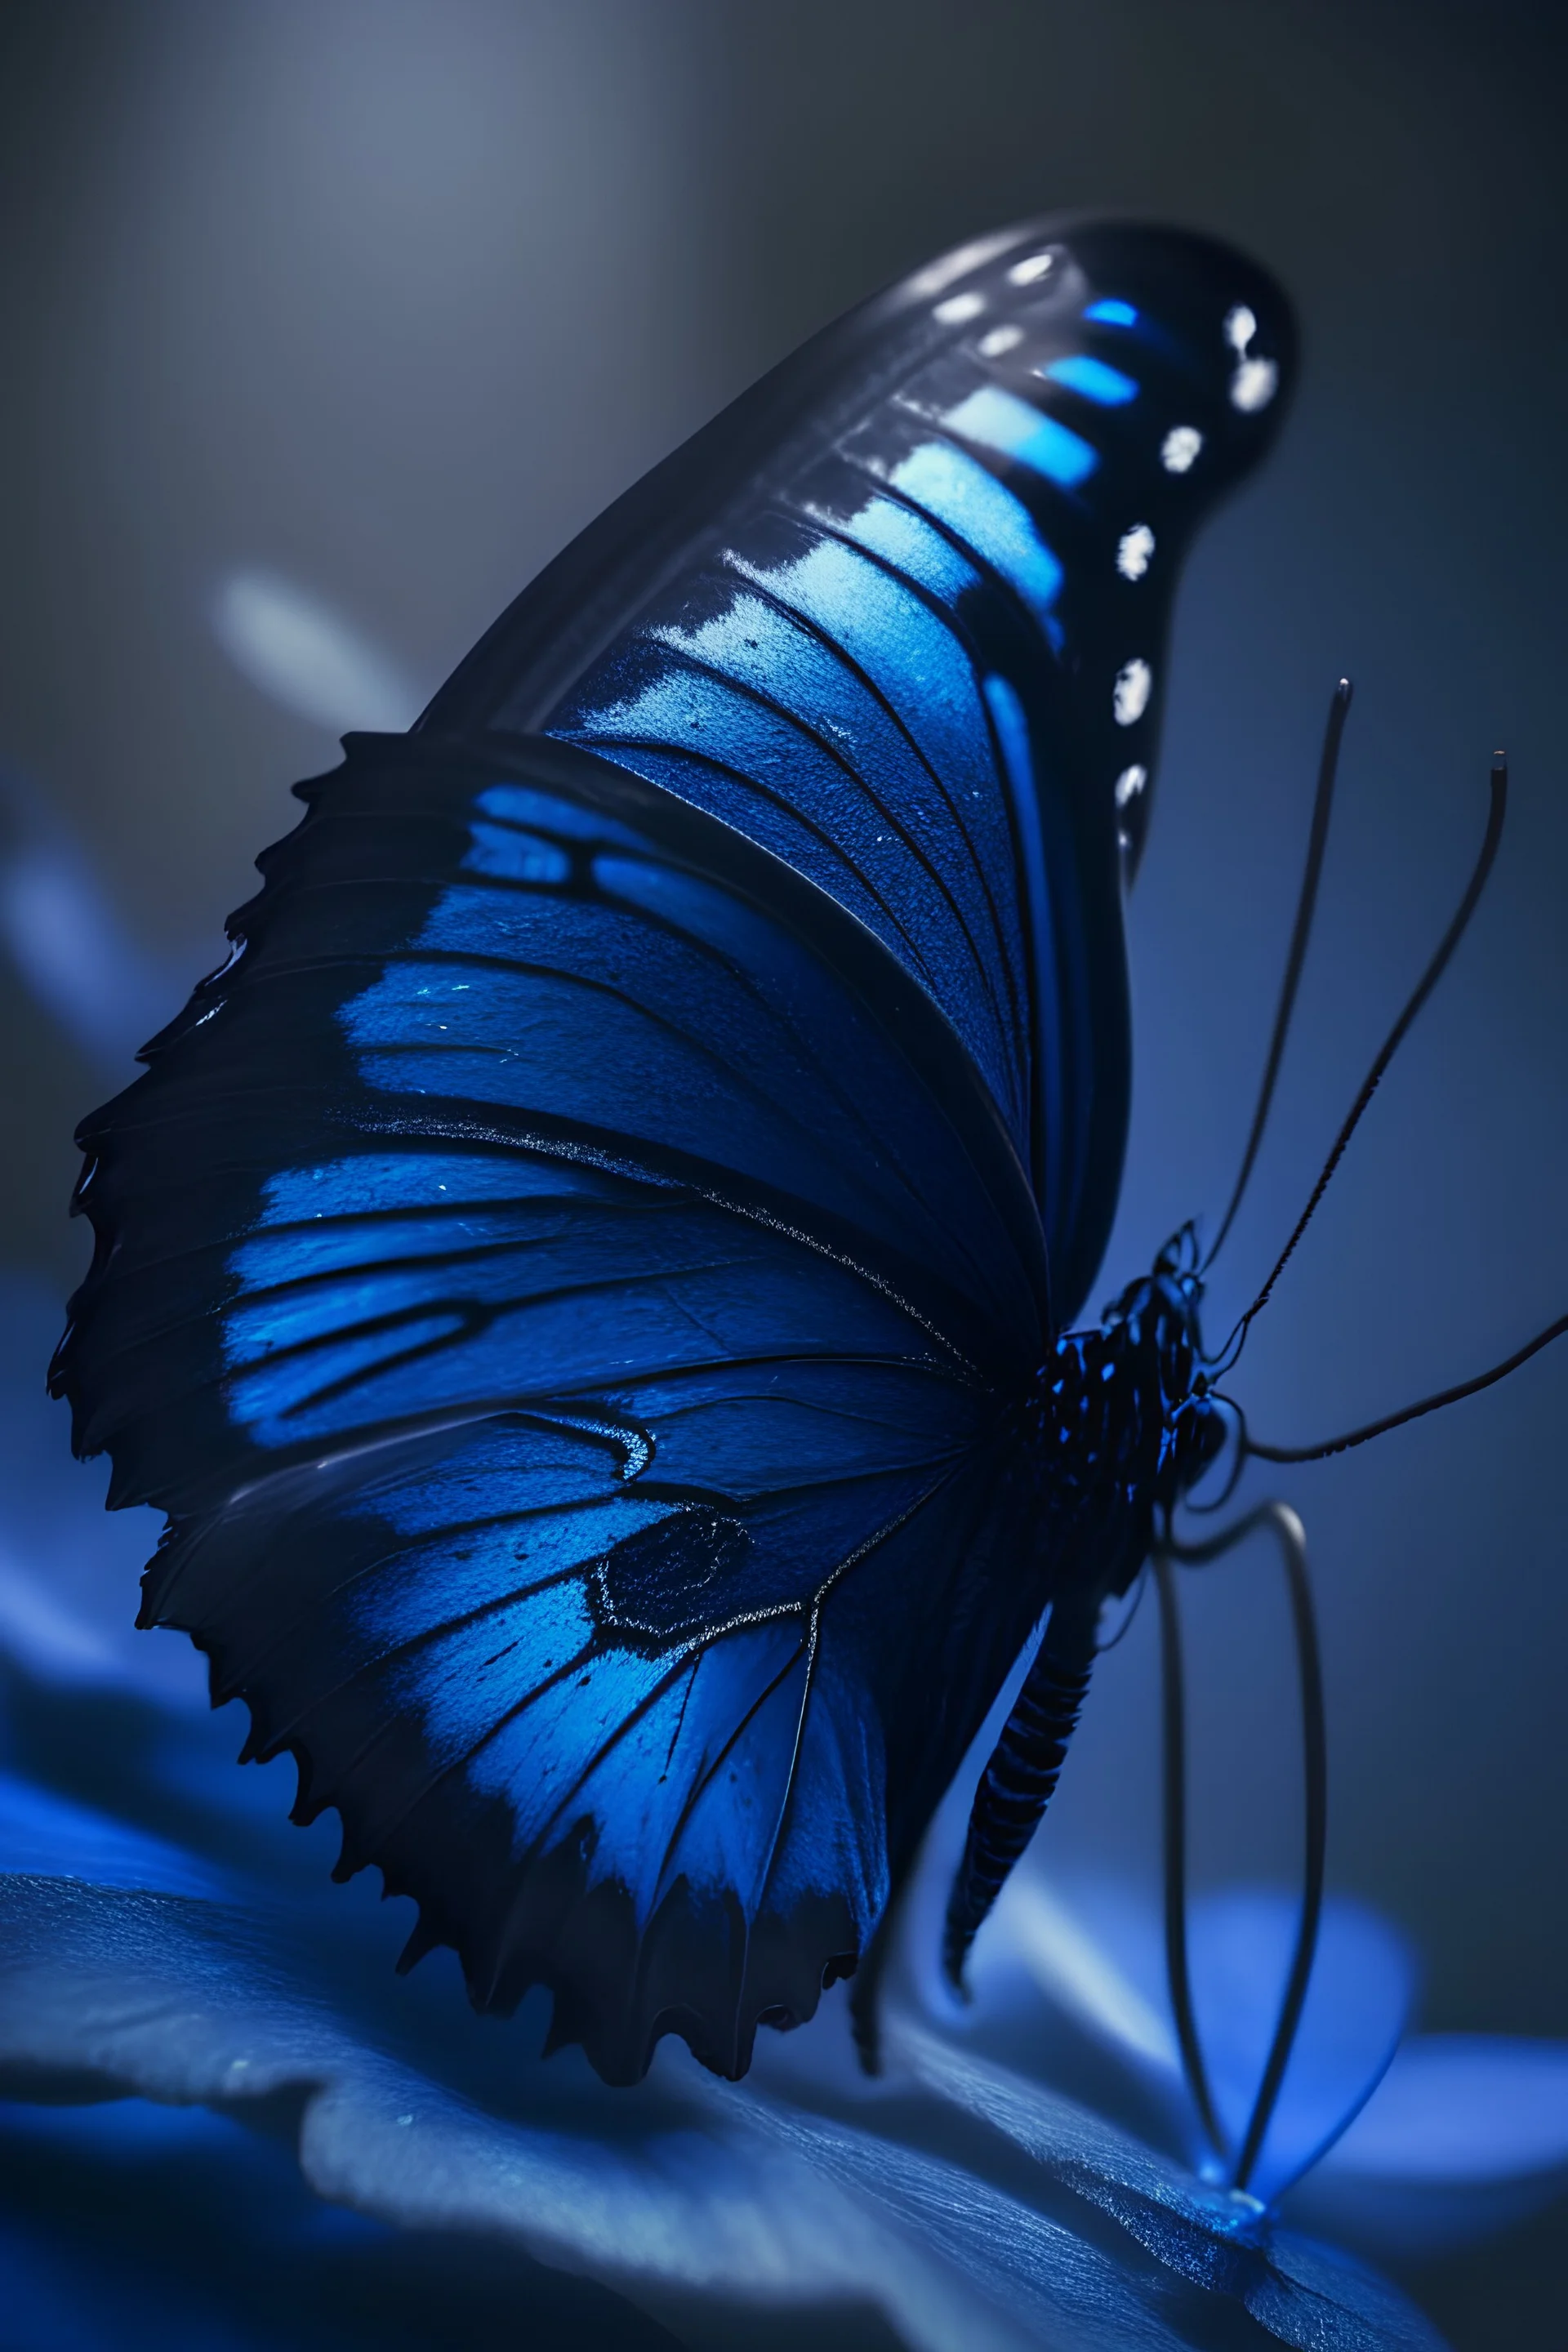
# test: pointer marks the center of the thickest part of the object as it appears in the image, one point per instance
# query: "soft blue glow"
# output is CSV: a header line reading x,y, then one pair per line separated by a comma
x,y
1101,1954
370,1183
71,949
1464,2108
46,1836
1000,420
1363,1982
310,658
985,515
1112,312
131,2129
522,805
515,857
1107,386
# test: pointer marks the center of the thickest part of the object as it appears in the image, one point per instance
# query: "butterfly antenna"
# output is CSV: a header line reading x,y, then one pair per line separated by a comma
x,y
1391,1043
1318,842
1412,1412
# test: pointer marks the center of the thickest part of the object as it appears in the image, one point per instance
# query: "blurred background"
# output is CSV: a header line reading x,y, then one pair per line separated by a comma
x,y
328,322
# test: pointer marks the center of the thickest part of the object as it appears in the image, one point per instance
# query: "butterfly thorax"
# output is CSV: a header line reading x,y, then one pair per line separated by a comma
x,y
1121,1423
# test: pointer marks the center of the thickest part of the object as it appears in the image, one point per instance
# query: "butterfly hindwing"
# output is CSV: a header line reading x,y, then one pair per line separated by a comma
x,y
498,1657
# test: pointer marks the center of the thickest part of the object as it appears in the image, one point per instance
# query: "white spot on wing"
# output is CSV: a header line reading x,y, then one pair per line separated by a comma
x,y
1000,340
958,309
1179,447
1254,385
1129,783
1254,381
1032,269
1133,550
1134,685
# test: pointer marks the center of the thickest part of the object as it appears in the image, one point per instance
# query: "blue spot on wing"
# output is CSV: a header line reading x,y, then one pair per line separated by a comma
x,y
954,490
924,559
1081,373
1111,312
1001,421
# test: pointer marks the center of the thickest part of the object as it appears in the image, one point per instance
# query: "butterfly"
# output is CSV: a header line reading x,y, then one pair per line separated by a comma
x,y
593,1280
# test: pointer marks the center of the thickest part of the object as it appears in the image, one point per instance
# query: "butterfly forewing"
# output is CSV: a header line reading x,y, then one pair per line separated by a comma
x,y
900,615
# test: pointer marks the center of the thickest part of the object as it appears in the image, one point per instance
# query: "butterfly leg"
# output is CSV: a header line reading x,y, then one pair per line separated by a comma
x,y
1020,1780
1279,1520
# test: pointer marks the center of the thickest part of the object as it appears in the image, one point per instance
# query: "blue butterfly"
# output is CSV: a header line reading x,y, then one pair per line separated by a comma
x,y
591,1280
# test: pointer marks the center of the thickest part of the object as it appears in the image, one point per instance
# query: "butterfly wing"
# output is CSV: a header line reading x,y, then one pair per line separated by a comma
x,y
900,615
562,1282
572,1281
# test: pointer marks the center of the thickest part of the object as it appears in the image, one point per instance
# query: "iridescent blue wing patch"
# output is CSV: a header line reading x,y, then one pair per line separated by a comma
x,y
900,615
574,1278
563,1280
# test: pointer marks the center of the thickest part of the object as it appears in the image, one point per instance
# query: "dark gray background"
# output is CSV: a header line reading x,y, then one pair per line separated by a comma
x,y
390,295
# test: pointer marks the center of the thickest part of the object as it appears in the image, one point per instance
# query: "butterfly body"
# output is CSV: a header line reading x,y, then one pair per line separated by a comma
x,y
591,1281
1121,1425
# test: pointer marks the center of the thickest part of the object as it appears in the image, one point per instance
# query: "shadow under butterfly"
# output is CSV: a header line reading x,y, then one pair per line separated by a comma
x,y
591,1280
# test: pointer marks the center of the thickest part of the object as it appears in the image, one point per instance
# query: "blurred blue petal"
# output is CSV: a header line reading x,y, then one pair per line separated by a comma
x,y
64,935
176,2230
1098,1956
57,1642
46,1836
1466,2107
307,657
689,2195
1395,2150
1358,2006
1467,2136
